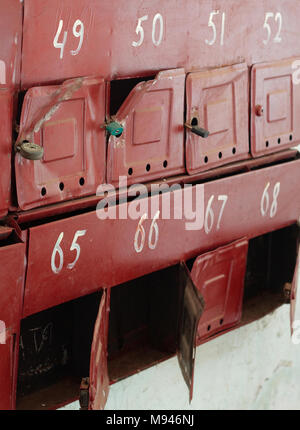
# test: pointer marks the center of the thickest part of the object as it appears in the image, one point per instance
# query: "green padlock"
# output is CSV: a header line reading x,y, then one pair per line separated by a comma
x,y
114,128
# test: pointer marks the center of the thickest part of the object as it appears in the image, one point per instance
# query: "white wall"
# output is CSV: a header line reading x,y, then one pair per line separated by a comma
x,y
254,367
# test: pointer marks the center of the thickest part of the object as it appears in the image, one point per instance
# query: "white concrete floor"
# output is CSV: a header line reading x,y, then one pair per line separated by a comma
x,y
254,367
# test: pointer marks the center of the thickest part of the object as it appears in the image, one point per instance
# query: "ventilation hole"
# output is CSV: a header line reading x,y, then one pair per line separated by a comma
x,y
206,160
221,321
220,155
165,163
61,186
81,181
43,191
208,328
279,141
291,137
130,171
194,121
148,167
234,151
267,144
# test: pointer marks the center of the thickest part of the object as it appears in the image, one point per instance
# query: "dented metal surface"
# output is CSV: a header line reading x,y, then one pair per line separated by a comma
x,y
65,121
152,144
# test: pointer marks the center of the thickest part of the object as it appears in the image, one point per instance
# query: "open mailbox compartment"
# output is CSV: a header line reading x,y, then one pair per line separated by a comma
x,y
81,347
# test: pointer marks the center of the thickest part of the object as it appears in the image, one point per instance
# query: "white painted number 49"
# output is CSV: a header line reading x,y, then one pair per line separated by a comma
x,y
58,255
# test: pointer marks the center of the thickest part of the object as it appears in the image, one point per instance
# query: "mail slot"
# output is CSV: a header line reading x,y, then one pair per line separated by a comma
x,y
61,145
219,276
217,101
275,107
152,143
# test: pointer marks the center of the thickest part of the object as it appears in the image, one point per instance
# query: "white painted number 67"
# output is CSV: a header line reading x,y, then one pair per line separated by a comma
x,y
57,251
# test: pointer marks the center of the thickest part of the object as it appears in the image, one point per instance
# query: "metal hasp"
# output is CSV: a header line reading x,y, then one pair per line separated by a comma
x,y
30,150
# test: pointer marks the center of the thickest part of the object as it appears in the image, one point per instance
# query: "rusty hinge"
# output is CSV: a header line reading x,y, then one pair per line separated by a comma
x,y
84,396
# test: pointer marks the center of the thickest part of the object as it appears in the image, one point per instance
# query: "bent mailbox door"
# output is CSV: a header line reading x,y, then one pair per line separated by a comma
x,y
152,143
99,380
219,276
61,144
7,354
192,306
275,106
12,273
295,280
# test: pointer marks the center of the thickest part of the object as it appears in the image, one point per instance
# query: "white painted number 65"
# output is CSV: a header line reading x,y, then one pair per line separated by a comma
x,y
57,251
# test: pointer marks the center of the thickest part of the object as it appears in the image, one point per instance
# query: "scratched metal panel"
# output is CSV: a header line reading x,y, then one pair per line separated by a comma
x,y
217,101
67,266
99,380
6,372
117,38
11,39
275,106
66,121
6,120
152,144
219,276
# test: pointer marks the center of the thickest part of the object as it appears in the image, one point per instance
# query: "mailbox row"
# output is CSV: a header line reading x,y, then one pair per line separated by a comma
x,y
73,137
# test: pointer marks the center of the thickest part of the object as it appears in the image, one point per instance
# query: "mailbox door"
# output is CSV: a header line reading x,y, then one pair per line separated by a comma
x,y
219,276
7,353
275,107
152,143
65,120
12,273
99,380
295,280
217,101
192,306
6,120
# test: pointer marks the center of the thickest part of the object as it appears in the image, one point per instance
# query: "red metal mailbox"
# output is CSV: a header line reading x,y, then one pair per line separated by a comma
x,y
66,122
275,106
152,144
113,39
219,276
217,101
12,274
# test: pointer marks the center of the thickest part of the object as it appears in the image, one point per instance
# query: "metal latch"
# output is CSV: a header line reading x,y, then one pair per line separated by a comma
x,y
114,128
29,150
199,131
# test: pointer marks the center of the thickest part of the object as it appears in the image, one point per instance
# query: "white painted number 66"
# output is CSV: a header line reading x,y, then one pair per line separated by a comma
x,y
140,234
